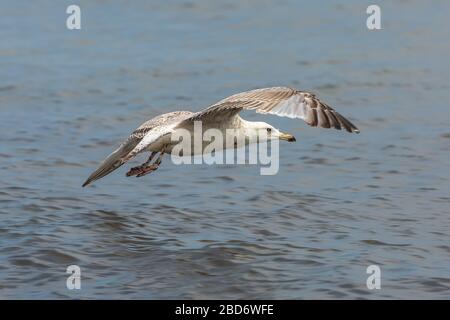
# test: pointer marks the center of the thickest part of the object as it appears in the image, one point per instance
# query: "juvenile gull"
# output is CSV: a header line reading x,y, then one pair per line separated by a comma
x,y
155,135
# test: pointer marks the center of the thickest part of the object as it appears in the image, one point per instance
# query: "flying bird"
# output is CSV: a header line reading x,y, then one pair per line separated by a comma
x,y
154,135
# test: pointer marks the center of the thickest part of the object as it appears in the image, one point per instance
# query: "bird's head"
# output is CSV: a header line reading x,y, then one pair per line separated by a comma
x,y
264,129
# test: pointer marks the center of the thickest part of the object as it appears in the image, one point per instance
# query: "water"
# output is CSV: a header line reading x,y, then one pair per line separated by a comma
x,y
339,203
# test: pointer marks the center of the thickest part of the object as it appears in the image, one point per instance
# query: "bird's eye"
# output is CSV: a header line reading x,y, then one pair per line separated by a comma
x,y
269,130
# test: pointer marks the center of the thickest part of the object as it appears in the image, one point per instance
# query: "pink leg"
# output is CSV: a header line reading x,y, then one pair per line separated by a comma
x,y
147,167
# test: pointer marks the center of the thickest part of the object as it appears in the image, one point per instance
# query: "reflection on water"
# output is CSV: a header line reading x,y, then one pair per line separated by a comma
x,y
339,203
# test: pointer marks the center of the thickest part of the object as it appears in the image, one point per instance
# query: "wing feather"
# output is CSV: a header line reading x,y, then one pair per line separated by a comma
x,y
138,141
280,101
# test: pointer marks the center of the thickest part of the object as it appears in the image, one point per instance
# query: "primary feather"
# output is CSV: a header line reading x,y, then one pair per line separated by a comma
x,y
144,135
280,101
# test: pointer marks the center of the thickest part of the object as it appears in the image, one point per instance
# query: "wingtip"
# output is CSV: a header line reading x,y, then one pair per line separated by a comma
x,y
85,183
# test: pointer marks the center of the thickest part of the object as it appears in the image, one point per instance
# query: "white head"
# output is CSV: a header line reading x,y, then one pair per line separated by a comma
x,y
262,129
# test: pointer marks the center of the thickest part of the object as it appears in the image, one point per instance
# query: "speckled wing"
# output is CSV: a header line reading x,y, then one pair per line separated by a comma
x,y
139,140
148,139
154,129
280,101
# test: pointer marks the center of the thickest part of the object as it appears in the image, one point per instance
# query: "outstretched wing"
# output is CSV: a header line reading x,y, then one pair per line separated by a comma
x,y
114,160
128,150
147,140
138,141
284,102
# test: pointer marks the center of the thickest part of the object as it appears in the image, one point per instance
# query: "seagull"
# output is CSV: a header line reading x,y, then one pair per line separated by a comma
x,y
154,135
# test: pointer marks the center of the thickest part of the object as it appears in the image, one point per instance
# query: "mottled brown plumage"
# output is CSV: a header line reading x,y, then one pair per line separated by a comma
x,y
281,101
127,149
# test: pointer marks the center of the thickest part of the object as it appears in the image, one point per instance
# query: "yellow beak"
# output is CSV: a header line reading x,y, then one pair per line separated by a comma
x,y
287,137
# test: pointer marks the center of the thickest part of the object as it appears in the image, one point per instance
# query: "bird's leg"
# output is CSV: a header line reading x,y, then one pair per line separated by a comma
x,y
150,158
147,167
136,170
155,165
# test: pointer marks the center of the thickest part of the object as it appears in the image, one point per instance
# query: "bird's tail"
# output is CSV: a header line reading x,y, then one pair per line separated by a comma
x,y
111,163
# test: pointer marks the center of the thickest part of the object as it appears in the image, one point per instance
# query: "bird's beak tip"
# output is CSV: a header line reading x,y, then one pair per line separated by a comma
x,y
287,137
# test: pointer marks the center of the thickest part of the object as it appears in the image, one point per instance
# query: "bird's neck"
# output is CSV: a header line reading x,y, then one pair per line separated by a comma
x,y
247,124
